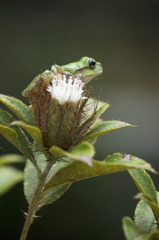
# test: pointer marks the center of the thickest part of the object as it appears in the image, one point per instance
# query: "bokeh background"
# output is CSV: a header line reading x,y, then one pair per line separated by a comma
x,y
124,37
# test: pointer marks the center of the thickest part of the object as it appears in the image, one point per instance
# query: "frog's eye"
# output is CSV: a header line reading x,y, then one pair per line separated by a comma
x,y
92,63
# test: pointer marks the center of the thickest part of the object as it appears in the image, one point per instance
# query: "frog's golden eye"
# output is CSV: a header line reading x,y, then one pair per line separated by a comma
x,y
92,63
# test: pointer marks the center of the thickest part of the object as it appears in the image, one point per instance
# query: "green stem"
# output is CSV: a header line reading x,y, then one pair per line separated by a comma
x,y
37,169
35,200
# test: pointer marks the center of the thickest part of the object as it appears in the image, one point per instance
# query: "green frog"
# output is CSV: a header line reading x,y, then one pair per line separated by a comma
x,y
85,69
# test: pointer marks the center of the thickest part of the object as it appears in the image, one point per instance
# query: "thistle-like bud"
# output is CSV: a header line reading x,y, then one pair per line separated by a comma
x,y
60,110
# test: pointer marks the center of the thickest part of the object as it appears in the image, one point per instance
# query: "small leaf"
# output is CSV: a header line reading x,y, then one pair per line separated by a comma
x,y
53,195
133,232
95,124
144,217
16,136
10,159
31,179
130,160
77,170
11,136
92,140
149,200
34,132
5,118
9,177
104,128
82,152
101,107
144,182
18,107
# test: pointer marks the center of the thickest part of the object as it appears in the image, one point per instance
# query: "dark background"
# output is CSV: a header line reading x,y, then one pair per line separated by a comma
x,y
124,37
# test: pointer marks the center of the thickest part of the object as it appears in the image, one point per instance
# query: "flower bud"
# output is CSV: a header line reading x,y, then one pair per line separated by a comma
x,y
60,111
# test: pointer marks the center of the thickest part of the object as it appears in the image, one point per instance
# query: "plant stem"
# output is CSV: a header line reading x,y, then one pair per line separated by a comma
x,y
35,200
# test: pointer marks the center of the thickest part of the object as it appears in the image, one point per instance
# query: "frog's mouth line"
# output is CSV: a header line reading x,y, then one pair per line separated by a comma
x,y
92,75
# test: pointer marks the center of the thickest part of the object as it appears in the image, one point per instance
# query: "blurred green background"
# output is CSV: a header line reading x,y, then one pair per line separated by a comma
x,y
124,37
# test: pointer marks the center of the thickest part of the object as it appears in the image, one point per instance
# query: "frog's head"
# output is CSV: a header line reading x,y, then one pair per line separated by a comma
x,y
85,69
88,68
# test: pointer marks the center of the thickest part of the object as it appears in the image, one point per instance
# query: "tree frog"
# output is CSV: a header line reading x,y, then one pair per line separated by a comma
x,y
85,69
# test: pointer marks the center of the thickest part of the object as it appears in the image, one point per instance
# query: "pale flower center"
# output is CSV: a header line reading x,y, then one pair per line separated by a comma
x,y
66,90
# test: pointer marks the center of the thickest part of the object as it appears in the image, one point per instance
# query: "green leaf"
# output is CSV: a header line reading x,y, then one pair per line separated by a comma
x,y
9,176
15,135
82,152
77,170
144,217
53,195
133,232
144,182
5,118
18,141
95,124
149,200
101,107
154,236
129,160
30,176
34,132
92,140
10,159
19,108
31,179
104,128
11,136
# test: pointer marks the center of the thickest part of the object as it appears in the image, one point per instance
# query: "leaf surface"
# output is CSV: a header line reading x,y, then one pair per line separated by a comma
x,y
9,177
14,134
10,159
11,136
31,179
82,152
101,107
144,217
75,170
153,205
144,182
105,127
133,232
34,132
18,107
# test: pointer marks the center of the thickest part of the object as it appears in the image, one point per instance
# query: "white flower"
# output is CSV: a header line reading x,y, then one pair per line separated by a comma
x,y
66,90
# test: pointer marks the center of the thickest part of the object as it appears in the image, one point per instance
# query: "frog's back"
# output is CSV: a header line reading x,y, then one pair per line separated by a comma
x,y
71,67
